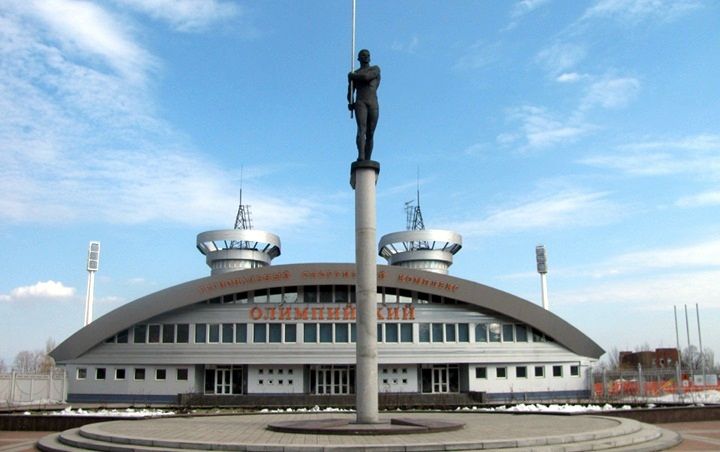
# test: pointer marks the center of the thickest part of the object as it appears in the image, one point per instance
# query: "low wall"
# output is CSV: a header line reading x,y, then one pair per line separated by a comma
x,y
664,415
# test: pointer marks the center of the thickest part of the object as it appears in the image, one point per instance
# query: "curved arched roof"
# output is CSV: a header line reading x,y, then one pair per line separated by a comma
x,y
332,273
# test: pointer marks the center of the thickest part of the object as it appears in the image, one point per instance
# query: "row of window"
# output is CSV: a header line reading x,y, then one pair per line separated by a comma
x,y
522,371
387,332
326,294
139,374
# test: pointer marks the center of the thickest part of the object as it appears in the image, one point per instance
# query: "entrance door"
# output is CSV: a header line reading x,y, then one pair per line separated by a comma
x,y
332,380
440,379
223,381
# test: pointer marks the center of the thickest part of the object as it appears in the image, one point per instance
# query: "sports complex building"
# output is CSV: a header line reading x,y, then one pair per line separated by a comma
x,y
260,334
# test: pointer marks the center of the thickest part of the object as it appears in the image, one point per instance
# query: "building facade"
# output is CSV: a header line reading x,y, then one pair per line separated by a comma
x,y
289,331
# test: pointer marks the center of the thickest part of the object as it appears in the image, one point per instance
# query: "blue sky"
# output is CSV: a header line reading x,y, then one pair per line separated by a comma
x,y
588,126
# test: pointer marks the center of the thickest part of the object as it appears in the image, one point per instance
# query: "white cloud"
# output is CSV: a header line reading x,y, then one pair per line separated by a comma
x,y
633,11
540,129
79,138
479,55
693,155
42,290
526,6
569,77
611,93
560,57
87,29
561,210
186,15
708,198
702,142
409,46
650,292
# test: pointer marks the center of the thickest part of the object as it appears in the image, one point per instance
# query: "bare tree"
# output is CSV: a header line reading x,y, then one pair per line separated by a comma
x,y
610,360
46,362
25,362
38,361
3,367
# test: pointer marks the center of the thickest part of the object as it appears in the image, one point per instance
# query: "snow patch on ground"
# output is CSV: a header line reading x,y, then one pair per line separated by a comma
x,y
128,412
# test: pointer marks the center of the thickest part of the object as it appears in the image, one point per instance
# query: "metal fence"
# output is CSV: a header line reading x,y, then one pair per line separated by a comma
x,y
629,384
21,389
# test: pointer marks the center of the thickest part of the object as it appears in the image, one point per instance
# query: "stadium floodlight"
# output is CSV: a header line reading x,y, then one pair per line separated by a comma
x,y
93,264
541,258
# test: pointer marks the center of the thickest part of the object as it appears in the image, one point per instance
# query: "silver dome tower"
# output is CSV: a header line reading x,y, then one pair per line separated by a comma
x,y
229,250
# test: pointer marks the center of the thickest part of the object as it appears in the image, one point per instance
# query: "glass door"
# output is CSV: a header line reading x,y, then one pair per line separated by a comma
x,y
223,381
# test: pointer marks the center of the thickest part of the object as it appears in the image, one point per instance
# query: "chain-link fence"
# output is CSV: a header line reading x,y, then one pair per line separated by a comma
x,y
20,389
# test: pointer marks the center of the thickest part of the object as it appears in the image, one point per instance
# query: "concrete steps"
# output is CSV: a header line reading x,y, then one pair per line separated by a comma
x,y
625,435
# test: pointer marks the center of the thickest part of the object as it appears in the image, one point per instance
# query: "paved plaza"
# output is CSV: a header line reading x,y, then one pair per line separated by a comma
x,y
488,431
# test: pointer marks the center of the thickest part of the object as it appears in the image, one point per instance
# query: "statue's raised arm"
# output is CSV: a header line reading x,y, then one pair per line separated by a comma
x,y
364,83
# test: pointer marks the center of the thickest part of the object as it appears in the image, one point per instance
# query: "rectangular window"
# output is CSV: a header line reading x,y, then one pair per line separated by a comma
x,y
437,332
450,332
405,296
481,332
259,333
424,332
508,332
341,332
557,371
310,332
81,373
341,294
521,372
275,332
139,373
99,373
310,294
537,336
183,333
494,332
182,374
122,337
168,333
214,333
380,332
290,332
463,332
540,371
228,335
391,332
575,370
200,333
406,332
326,294
119,374
521,334
240,333
160,374
326,332
501,372
139,332
481,372
275,295
153,334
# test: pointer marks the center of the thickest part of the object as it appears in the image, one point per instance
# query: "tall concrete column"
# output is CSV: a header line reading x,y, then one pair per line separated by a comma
x,y
363,177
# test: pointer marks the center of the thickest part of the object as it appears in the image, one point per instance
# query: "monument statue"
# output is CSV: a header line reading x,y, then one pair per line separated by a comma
x,y
364,83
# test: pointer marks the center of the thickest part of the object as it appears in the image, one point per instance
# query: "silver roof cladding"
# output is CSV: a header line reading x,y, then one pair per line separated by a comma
x,y
197,290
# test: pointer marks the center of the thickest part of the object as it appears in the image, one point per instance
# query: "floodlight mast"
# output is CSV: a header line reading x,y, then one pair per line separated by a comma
x,y
93,263
541,258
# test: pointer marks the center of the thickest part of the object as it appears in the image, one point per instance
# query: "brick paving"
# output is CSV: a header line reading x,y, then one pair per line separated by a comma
x,y
698,436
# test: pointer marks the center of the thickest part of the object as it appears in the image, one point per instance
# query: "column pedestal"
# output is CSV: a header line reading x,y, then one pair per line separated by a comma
x,y
363,178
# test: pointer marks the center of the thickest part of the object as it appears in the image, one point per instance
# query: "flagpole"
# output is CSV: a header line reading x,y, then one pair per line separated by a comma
x,y
352,56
